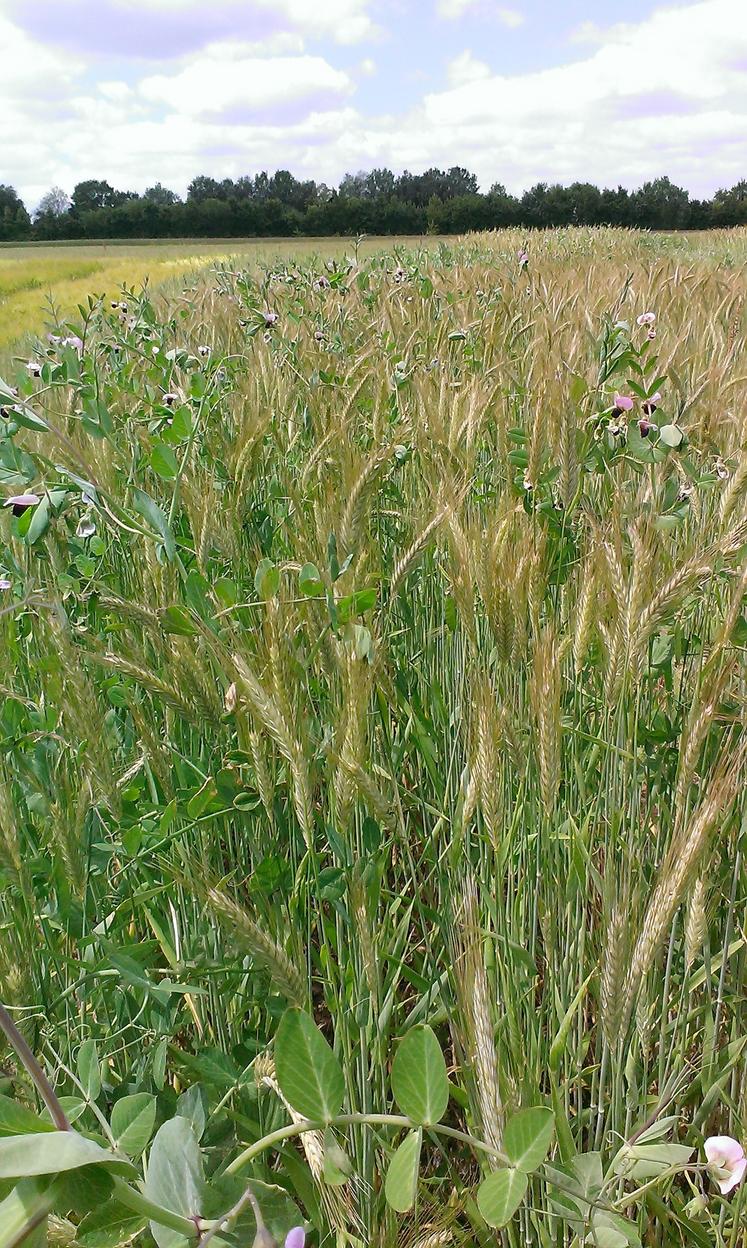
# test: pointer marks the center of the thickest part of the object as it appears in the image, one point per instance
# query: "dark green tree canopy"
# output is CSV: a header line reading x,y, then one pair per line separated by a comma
x,y
375,201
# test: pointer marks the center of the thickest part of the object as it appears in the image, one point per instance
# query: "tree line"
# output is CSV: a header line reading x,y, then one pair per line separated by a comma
x,y
376,202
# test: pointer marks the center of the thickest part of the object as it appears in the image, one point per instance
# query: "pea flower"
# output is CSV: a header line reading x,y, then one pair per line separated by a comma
x,y
271,318
5,583
21,502
33,368
523,258
203,351
86,527
722,472
170,398
649,405
645,427
646,318
726,1161
623,403
73,341
651,334
295,1238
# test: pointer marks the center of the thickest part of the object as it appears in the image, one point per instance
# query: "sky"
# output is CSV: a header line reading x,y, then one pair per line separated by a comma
x,y
518,91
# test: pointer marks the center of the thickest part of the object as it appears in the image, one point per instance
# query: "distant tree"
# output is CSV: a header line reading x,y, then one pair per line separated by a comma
x,y
354,186
614,207
94,194
161,195
15,222
586,203
374,202
660,205
730,207
54,204
459,182
203,187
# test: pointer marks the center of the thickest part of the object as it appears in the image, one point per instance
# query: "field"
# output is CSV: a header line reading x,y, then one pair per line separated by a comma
x,y
41,281
372,821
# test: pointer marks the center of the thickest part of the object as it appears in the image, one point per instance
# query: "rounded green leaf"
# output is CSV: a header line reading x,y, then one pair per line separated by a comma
x,y
266,579
499,1196
309,581
22,1156
419,1080
163,461
401,1185
671,435
17,1119
133,1120
527,1138
307,1070
175,1178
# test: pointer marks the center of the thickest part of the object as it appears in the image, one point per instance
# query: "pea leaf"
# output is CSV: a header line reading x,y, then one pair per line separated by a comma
x,y
133,1120
500,1194
527,1138
308,1072
175,1177
401,1185
24,1156
89,1070
419,1080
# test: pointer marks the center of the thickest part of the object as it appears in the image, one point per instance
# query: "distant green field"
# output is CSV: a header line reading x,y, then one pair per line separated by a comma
x,y
36,278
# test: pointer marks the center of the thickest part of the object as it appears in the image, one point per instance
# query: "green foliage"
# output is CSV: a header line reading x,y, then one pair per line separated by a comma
x,y
527,1138
175,1178
308,1072
371,748
500,1195
419,1080
401,1183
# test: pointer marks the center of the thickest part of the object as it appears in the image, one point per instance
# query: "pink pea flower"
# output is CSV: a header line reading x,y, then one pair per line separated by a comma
x,y
295,1238
73,341
726,1161
646,318
523,257
33,368
651,334
622,402
5,583
21,502
170,398
271,318
645,427
649,405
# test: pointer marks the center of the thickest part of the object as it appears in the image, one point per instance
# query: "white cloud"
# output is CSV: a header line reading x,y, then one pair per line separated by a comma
x,y
344,21
466,68
665,95
224,78
452,9
510,17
